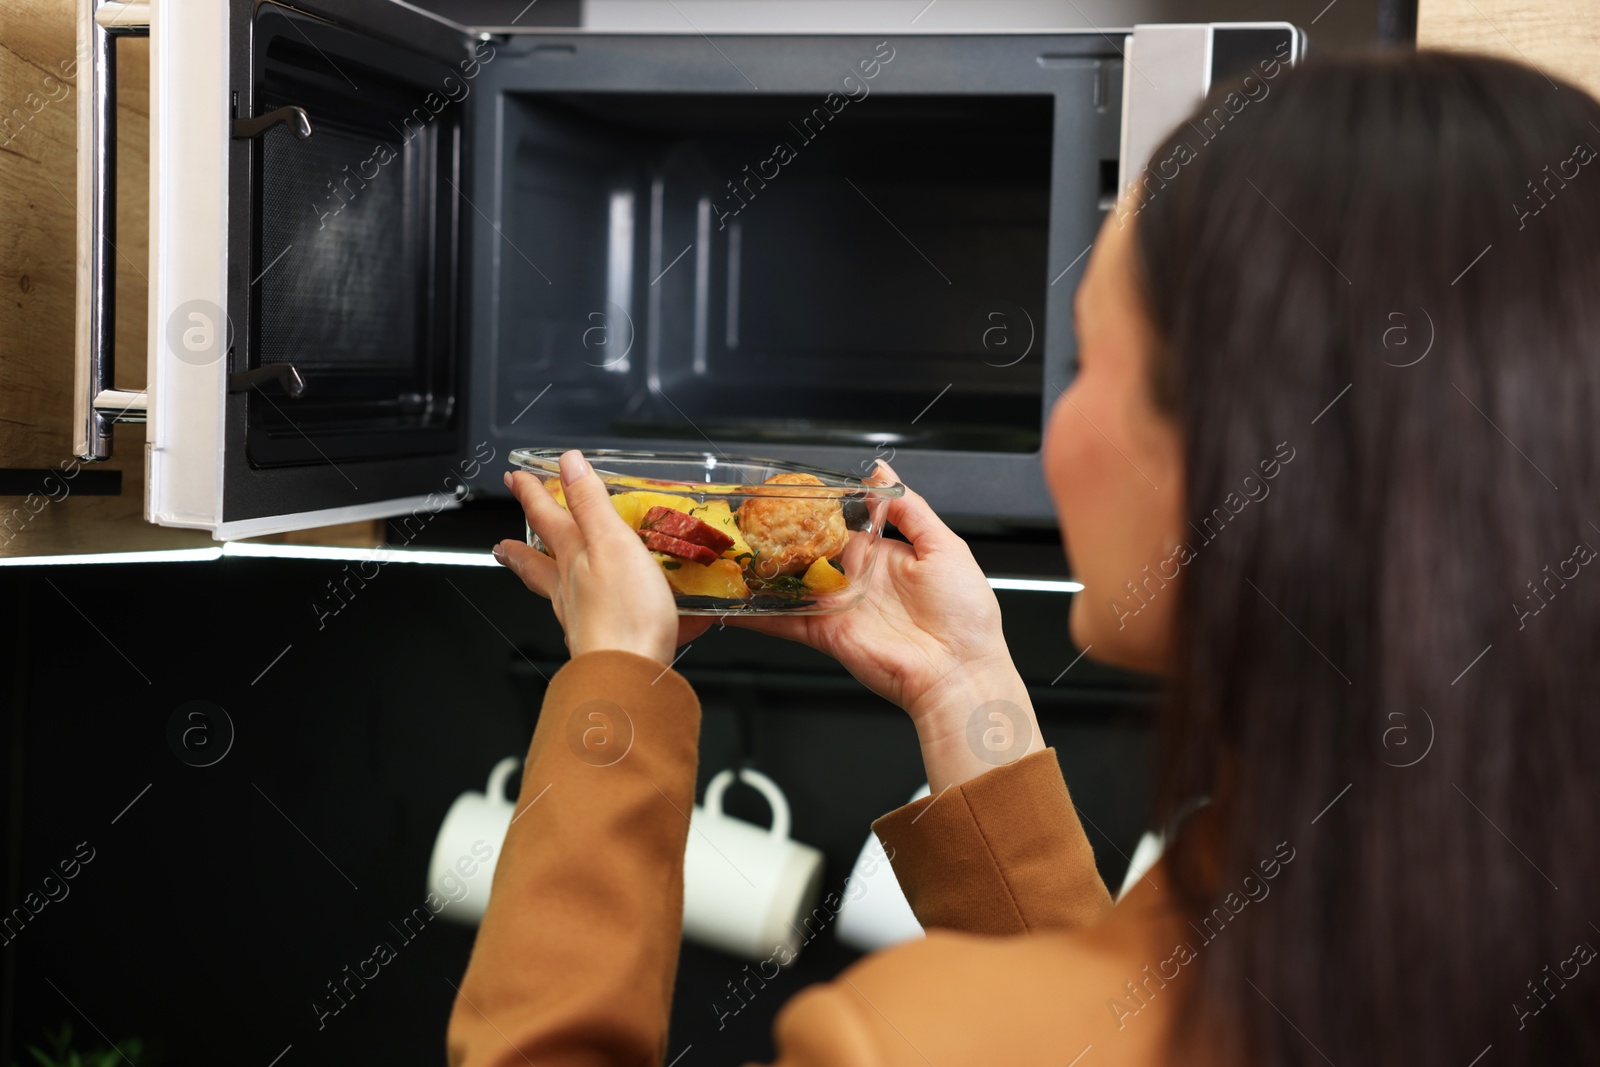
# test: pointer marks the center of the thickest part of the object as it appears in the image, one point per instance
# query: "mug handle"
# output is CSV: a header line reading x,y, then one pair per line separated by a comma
x,y
496,789
762,784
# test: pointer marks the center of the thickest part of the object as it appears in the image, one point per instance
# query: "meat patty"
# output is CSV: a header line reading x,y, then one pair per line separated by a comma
x,y
788,535
686,527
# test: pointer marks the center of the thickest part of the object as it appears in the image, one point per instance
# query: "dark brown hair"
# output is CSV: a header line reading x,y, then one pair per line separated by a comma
x,y
1391,662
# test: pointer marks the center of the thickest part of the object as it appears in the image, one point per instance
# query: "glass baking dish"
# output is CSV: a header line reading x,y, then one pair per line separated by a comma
x,y
737,535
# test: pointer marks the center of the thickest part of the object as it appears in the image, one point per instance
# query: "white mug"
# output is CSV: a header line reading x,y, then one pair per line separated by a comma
x,y
468,846
748,891
874,913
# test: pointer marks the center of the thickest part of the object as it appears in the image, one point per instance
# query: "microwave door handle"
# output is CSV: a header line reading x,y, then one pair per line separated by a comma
x,y
284,375
97,403
294,117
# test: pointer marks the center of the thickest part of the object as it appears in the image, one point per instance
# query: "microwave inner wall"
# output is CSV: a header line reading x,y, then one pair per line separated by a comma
x,y
767,268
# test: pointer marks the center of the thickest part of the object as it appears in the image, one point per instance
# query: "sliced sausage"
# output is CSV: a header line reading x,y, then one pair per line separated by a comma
x,y
656,541
686,527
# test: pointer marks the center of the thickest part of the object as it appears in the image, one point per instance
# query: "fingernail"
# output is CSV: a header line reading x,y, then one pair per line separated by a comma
x,y
507,479
499,553
573,467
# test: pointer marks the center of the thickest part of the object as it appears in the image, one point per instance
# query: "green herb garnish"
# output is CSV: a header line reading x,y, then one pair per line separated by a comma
x,y
670,565
782,585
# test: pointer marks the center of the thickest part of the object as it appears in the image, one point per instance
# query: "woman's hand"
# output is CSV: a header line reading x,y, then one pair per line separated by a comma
x,y
926,637
607,590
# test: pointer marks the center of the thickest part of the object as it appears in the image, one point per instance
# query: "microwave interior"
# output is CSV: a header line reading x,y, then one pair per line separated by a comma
x,y
754,268
615,241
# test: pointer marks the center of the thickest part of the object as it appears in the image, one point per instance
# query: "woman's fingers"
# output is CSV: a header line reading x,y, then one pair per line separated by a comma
x,y
589,501
537,570
691,627
547,518
913,517
788,627
859,549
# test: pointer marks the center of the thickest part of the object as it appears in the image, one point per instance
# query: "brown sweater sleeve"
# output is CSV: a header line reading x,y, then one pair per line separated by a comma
x,y
576,955
1003,853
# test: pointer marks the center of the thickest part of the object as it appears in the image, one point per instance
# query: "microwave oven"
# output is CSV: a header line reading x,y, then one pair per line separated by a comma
x,y
387,248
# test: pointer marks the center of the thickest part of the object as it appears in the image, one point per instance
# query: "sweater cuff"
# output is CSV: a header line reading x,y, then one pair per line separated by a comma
x,y
1002,853
601,706
579,941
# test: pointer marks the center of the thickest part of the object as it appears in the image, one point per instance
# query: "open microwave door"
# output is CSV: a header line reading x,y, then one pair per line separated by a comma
x,y
305,358
1186,59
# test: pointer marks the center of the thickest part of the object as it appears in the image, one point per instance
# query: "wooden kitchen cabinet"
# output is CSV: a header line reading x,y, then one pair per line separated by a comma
x,y
38,241
1560,37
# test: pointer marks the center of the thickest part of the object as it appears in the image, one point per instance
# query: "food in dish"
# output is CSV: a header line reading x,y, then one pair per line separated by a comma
x,y
722,578
788,535
678,533
770,546
823,576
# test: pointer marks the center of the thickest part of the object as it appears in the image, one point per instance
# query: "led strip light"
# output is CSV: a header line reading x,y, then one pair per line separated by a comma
x,y
450,557
445,557
170,555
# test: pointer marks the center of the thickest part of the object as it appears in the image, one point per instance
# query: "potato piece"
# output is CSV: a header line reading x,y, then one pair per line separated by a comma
x,y
659,484
719,578
824,577
628,507
633,506
645,500
626,503
717,513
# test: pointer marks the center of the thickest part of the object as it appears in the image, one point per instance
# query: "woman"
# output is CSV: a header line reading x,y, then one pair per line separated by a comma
x,y
1340,489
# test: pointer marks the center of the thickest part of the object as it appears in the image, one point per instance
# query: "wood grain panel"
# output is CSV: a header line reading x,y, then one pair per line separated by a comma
x,y
38,234
1560,37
